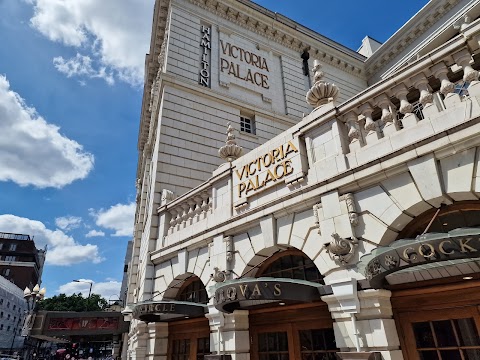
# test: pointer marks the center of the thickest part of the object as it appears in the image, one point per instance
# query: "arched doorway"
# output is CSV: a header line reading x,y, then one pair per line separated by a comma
x,y
287,329
189,338
436,304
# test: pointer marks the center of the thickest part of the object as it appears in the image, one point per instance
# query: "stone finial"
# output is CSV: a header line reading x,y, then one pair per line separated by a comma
x,y
321,92
230,151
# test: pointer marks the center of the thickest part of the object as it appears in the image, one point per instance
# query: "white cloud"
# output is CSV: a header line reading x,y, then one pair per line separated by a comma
x,y
94,233
68,223
117,32
63,250
107,289
32,151
81,65
118,217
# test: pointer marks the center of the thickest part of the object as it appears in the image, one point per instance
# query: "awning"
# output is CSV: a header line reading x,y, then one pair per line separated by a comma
x,y
250,292
461,243
161,311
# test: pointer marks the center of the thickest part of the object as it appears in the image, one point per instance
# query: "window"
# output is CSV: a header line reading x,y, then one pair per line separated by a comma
x,y
13,247
6,272
194,292
293,267
10,258
1,314
1,246
461,88
247,125
181,349
1,326
8,328
418,110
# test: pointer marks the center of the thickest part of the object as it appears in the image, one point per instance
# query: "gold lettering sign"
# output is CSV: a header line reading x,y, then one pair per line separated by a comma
x,y
268,168
234,67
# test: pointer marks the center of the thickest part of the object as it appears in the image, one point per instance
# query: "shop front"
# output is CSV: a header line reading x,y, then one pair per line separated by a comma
x,y
188,328
434,278
287,319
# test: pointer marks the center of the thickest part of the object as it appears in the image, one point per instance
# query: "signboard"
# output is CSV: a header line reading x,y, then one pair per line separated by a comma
x,y
167,310
243,294
206,49
429,249
280,164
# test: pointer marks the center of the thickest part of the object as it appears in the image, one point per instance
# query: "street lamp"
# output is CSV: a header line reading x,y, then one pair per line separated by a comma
x,y
32,297
87,282
89,291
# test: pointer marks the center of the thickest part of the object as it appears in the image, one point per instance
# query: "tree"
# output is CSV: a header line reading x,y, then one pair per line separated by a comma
x,y
74,302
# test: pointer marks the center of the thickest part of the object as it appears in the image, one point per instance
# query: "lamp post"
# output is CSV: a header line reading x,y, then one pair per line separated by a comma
x,y
89,291
32,297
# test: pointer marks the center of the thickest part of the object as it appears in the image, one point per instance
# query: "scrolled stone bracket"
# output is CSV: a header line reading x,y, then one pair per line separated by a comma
x,y
341,250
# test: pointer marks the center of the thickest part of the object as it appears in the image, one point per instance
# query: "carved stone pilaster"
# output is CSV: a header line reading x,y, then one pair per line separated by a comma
x,y
351,208
316,209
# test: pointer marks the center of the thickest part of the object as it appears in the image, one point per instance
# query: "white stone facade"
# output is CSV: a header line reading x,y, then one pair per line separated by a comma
x,y
352,173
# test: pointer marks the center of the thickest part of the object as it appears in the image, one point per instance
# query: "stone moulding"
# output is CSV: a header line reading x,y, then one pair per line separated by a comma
x,y
266,30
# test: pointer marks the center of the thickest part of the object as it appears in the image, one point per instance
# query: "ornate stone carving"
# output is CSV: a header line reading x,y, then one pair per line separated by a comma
x,y
316,208
219,275
167,196
341,250
321,92
229,248
373,268
230,151
351,208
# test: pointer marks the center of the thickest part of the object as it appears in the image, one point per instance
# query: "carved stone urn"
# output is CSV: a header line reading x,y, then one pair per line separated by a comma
x,y
230,151
321,92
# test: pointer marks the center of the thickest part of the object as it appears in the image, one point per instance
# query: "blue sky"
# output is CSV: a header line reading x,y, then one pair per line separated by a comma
x,y
70,95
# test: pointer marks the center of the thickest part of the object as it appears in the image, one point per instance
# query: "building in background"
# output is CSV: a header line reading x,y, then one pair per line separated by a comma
x,y
20,261
12,311
350,225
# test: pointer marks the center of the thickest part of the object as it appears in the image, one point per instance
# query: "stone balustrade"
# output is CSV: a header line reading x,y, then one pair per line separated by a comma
x,y
189,210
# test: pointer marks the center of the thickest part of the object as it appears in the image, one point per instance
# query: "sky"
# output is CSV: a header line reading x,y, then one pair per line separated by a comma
x,y
71,80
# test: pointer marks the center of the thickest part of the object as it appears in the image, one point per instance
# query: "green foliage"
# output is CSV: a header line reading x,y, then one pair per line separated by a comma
x,y
75,302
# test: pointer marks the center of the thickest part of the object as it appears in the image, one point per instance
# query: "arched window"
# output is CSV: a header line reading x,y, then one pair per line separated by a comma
x,y
193,291
459,215
293,265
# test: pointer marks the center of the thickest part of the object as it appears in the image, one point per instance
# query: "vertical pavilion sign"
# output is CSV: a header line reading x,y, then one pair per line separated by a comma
x,y
206,50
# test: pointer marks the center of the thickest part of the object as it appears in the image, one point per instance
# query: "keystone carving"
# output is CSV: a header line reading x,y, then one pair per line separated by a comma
x,y
219,275
341,250
321,92
230,151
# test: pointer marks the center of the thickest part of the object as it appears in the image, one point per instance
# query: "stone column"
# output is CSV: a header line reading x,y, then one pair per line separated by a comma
x,y
229,334
157,342
138,342
374,326
354,132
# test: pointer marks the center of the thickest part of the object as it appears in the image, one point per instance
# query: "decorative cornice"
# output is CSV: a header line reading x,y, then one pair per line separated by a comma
x,y
399,41
273,31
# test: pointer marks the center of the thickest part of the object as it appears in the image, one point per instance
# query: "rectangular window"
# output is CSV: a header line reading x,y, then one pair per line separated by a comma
x,y
13,247
247,124
1,246
6,272
10,258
